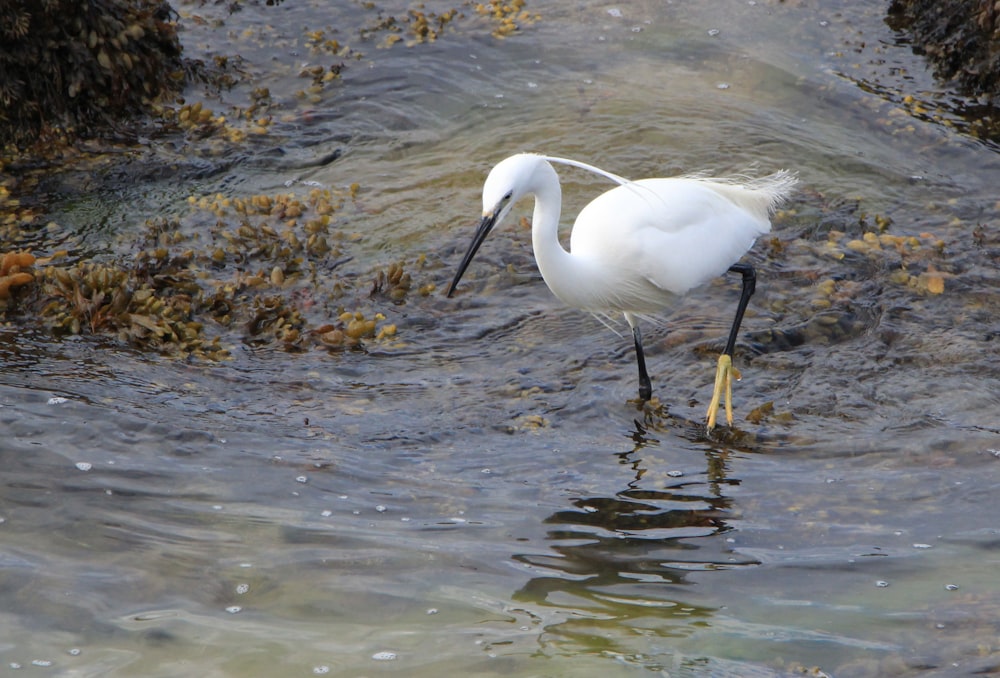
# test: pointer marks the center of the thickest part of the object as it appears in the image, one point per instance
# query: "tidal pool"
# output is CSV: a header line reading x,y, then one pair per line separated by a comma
x,y
477,494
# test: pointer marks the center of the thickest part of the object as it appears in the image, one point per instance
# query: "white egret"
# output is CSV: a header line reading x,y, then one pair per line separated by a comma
x,y
635,247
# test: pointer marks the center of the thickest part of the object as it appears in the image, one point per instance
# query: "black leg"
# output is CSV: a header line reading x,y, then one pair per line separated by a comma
x,y
749,284
645,387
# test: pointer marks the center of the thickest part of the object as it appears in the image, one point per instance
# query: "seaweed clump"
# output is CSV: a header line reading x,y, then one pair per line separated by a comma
x,y
82,66
14,273
509,16
264,271
150,312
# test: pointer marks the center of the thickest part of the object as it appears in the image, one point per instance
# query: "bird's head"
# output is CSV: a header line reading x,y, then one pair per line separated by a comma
x,y
509,181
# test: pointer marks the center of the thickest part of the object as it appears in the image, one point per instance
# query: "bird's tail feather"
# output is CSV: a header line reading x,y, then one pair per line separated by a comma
x,y
759,195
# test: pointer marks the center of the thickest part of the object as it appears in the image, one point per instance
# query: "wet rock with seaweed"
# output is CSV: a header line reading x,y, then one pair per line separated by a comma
x,y
960,37
85,67
961,40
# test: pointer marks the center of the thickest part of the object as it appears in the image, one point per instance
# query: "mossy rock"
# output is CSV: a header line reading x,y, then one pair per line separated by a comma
x,y
961,38
83,66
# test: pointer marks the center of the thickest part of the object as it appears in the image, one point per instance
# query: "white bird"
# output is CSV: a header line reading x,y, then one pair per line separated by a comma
x,y
635,247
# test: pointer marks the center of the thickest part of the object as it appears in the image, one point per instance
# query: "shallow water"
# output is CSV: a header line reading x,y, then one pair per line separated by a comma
x,y
479,497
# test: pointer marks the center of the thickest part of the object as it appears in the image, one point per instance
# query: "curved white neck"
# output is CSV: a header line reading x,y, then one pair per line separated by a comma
x,y
561,270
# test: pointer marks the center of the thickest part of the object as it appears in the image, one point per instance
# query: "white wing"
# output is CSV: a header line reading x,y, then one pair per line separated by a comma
x,y
669,235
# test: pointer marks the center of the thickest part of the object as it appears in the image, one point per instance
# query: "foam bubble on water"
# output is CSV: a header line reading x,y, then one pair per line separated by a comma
x,y
84,465
234,609
321,670
384,656
242,588
57,400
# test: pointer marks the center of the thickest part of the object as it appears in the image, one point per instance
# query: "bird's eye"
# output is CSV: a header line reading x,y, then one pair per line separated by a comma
x,y
508,196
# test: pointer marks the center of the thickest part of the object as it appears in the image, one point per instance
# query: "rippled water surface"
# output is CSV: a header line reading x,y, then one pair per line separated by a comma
x,y
479,496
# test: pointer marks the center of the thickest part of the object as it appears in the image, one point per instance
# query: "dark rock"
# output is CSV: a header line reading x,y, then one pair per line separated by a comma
x,y
961,38
82,67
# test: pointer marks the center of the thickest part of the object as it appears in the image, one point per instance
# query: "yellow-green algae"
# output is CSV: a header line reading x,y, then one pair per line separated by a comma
x,y
262,270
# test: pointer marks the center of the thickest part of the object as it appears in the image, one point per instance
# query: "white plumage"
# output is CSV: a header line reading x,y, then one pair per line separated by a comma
x,y
635,246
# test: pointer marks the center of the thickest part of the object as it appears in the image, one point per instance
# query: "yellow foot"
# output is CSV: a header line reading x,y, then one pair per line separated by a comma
x,y
724,375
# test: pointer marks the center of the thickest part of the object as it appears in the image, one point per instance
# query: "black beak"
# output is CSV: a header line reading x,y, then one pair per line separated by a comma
x,y
485,226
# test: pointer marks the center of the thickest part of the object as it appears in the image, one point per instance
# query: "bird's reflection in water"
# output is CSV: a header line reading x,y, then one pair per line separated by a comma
x,y
622,565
